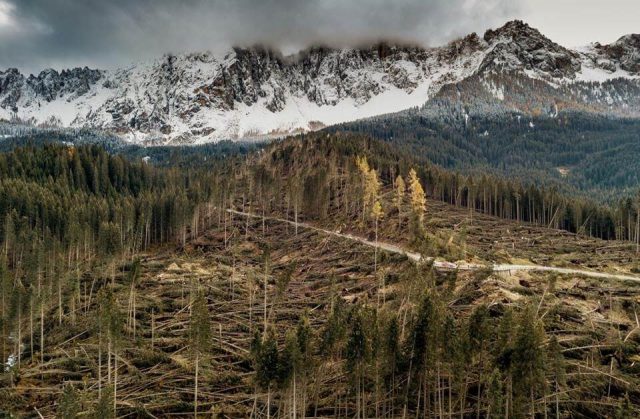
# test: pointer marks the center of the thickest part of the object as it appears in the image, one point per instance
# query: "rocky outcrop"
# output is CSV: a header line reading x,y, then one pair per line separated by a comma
x,y
49,84
625,52
11,85
518,46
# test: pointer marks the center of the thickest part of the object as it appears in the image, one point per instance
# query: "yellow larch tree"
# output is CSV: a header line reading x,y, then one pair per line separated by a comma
x,y
418,197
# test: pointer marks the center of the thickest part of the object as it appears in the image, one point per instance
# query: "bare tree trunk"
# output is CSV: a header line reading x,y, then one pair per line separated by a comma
x,y
557,401
115,382
479,405
427,397
269,401
100,364
41,336
364,398
225,230
463,397
418,401
508,404
195,391
19,351
153,327
318,382
294,394
4,331
406,395
265,301
109,360
638,231
450,382
533,410
358,399
59,301
375,250
133,317
31,328
255,402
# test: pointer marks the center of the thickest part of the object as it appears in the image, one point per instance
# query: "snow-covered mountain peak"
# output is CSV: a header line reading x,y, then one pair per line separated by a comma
x,y
257,91
625,51
517,46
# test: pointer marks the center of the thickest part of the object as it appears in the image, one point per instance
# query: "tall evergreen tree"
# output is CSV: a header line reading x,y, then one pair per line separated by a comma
x,y
529,361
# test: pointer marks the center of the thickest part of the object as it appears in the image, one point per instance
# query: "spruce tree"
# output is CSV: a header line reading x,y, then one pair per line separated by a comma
x,y
69,405
557,368
304,337
625,409
495,396
529,361
392,357
104,409
357,352
479,335
266,362
111,323
289,365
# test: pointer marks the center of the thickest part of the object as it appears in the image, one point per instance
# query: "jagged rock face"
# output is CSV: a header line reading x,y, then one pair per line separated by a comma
x,y
466,46
50,84
625,51
11,83
248,78
327,77
517,45
254,92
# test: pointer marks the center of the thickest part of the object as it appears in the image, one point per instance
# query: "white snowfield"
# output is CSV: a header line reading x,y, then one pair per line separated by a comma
x,y
443,265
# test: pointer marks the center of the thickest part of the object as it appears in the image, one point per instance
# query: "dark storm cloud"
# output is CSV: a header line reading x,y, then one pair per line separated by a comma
x,y
56,33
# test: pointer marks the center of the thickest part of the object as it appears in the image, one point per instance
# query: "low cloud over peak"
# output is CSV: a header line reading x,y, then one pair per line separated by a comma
x,y
61,33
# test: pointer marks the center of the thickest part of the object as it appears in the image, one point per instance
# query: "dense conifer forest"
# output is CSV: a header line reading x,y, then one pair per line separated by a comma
x,y
580,153
14,135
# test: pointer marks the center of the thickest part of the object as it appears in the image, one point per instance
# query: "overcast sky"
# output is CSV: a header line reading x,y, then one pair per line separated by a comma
x,y
35,34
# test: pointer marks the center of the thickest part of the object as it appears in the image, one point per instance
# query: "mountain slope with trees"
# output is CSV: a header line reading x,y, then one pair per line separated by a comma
x,y
579,153
158,301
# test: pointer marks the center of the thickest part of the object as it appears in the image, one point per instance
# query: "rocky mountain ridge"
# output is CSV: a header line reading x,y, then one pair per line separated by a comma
x,y
257,92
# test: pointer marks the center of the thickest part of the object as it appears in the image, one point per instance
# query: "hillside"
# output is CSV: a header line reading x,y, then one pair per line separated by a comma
x,y
279,317
259,93
575,152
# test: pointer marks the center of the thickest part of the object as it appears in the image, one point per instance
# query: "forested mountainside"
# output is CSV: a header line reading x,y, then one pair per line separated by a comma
x,y
580,153
257,92
131,290
14,135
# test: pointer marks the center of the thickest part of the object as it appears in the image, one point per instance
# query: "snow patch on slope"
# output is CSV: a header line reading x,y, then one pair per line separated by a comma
x,y
302,114
592,74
